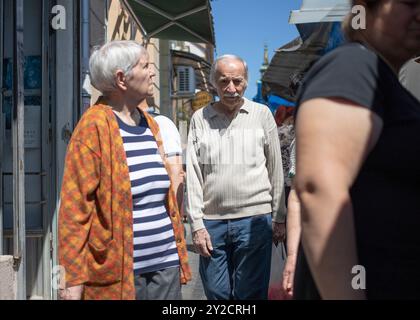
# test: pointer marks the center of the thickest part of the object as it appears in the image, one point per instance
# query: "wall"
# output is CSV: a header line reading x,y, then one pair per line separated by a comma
x,y
116,24
8,283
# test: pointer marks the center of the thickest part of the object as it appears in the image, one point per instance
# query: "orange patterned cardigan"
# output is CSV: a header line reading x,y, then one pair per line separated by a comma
x,y
95,225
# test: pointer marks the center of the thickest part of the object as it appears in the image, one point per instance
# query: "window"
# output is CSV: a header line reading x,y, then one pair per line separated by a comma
x,y
185,80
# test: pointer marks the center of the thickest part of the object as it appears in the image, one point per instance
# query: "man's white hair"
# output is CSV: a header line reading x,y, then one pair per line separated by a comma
x,y
213,69
112,56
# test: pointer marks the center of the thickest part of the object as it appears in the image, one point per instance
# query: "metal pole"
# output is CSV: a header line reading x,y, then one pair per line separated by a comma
x,y
165,79
85,53
106,20
19,232
65,101
2,122
46,150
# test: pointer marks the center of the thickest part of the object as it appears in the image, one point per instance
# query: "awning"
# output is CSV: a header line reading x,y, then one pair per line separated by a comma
x,y
201,68
320,11
184,20
293,59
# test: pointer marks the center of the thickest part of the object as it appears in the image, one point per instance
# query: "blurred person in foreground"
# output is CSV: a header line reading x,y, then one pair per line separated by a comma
x,y
357,172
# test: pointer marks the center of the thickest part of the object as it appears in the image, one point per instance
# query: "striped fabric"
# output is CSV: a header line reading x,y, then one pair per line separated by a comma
x,y
95,221
153,236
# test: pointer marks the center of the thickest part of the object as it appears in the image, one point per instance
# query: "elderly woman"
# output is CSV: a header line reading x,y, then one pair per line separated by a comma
x,y
120,232
358,155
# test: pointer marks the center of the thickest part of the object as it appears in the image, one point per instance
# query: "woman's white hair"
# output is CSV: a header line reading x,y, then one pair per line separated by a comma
x,y
112,56
226,57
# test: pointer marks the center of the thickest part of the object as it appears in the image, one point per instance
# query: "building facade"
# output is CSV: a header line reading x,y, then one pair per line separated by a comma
x,y
55,44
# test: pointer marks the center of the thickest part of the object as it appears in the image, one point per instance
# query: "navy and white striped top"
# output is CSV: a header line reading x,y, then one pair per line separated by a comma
x,y
154,241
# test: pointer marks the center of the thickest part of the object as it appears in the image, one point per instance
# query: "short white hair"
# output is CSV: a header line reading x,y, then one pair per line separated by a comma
x,y
226,57
112,56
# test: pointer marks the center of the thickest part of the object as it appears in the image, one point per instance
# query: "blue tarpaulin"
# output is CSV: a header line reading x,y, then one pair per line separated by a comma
x,y
275,101
272,101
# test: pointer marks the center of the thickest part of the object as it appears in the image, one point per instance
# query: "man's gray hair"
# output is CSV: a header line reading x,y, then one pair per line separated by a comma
x,y
226,57
112,56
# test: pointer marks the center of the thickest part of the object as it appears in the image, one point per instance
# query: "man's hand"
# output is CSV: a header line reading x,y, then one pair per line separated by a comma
x,y
279,232
202,242
72,293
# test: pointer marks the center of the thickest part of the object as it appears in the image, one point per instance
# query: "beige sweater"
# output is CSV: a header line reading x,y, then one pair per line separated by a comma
x,y
234,168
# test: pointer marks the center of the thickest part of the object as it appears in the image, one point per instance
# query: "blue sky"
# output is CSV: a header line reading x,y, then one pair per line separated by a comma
x,y
242,27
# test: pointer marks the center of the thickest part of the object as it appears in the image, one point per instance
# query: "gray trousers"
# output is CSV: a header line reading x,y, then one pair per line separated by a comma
x,y
158,285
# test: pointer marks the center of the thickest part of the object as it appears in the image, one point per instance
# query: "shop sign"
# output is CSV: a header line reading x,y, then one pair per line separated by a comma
x,y
201,99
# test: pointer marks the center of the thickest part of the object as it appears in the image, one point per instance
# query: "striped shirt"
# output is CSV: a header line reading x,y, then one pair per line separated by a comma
x,y
154,241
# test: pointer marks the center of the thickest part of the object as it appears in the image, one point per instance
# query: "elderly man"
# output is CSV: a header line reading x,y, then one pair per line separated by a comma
x,y
234,187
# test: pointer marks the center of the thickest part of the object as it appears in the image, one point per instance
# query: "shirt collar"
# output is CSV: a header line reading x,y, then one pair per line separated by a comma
x,y
244,108
102,100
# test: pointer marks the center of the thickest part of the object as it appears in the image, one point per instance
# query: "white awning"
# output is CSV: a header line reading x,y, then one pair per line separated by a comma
x,y
320,11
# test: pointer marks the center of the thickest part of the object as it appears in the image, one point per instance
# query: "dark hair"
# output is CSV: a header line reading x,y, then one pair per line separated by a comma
x,y
348,31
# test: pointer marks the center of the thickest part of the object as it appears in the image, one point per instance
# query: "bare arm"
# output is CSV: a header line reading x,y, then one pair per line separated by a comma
x,y
293,238
293,224
177,174
334,136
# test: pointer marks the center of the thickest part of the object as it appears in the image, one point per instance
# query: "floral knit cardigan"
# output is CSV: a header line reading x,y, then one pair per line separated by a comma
x,y
95,226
